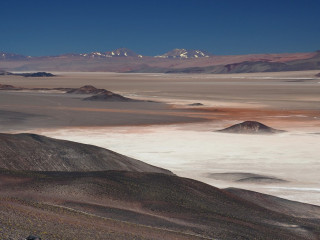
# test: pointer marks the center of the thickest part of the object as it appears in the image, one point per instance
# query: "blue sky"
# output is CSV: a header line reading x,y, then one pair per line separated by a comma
x,y
151,27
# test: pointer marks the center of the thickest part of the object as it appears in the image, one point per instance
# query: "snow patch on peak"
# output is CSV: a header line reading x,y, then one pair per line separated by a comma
x,y
184,53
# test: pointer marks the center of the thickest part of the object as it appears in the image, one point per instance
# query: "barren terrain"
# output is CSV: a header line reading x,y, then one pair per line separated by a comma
x,y
171,134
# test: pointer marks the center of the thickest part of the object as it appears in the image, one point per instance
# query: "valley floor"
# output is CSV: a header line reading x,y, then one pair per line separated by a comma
x,y
180,137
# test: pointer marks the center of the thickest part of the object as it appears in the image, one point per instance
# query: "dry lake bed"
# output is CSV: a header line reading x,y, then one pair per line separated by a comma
x,y
170,133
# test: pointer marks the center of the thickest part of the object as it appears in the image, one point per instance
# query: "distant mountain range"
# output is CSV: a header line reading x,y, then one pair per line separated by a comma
x,y
174,61
120,52
12,56
185,53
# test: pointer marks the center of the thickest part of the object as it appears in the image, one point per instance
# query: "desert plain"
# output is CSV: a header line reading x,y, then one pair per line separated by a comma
x,y
175,127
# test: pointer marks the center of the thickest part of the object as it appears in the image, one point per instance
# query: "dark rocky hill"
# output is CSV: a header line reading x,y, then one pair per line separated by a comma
x,y
36,74
109,97
250,127
87,89
100,94
40,153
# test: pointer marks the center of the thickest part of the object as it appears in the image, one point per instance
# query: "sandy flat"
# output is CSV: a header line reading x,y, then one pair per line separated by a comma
x,y
188,146
291,90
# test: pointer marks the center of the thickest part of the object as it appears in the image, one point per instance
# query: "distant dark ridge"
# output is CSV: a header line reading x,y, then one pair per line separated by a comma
x,y
317,75
312,63
245,177
98,94
39,153
250,127
9,87
36,74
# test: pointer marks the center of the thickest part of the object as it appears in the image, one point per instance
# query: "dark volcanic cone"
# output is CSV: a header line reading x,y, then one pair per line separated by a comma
x,y
87,89
39,153
110,97
101,94
250,127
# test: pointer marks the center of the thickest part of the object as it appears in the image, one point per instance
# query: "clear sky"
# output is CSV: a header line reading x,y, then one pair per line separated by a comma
x,y
151,27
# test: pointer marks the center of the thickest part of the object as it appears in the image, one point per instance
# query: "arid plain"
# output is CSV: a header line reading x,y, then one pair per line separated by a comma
x,y
171,131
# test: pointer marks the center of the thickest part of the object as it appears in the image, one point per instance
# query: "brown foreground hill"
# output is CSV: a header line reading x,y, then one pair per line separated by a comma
x,y
65,203
132,205
39,153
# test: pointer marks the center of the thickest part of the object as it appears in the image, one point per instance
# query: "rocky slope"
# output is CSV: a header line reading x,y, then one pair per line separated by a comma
x,y
132,205
40,153
291,208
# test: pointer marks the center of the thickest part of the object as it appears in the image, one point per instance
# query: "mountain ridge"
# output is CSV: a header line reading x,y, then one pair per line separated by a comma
x,y
182,53
175,61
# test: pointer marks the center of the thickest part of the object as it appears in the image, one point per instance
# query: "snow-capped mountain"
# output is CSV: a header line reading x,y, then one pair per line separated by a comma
x,y
120,52
12,56
185,53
